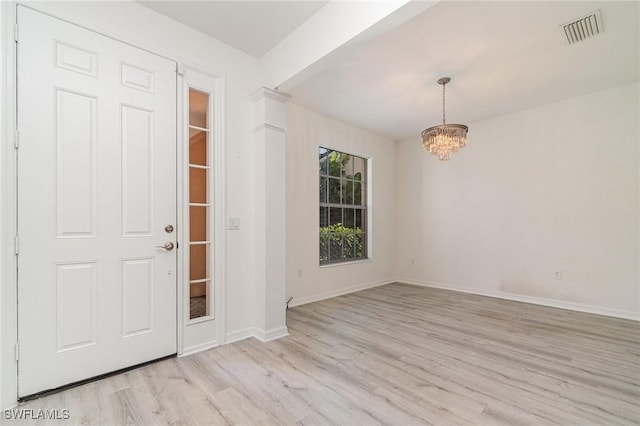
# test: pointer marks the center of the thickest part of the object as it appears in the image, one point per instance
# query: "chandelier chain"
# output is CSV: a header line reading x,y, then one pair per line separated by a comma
x,y
443,109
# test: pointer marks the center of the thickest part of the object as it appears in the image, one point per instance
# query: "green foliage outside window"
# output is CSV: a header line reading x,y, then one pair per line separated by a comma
x,y
340,243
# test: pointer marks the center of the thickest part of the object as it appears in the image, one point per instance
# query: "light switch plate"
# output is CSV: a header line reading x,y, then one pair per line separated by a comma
x,y
234,223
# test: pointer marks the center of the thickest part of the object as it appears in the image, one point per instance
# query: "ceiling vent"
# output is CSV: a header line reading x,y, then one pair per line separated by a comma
x,y
584,27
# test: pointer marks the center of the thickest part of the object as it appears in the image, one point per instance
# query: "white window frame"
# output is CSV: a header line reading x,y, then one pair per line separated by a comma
x,y
208,331
368,195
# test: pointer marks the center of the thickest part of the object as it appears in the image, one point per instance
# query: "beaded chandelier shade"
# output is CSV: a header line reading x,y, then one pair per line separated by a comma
x,y
446,139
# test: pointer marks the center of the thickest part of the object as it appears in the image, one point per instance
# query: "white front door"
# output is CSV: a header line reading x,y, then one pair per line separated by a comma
x,y
96,200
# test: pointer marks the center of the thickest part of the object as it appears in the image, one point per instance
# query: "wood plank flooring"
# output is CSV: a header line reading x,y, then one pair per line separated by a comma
x,y
393,355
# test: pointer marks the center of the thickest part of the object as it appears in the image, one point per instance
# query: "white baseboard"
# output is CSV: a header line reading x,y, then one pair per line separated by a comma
x,y
272,334
258,333
199,348
297,301
243,333
554,303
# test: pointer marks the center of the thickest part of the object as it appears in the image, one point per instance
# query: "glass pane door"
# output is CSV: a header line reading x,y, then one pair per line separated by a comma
x,y
199,207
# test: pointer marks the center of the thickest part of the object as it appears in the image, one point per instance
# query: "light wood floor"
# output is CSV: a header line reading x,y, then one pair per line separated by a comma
x,y
395,355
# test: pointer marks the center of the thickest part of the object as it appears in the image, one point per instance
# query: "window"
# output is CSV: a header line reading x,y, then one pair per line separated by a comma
x,y
199,206
343,206
202,213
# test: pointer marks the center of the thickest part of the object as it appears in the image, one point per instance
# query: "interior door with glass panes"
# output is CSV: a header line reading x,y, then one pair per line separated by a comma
x,y
202,263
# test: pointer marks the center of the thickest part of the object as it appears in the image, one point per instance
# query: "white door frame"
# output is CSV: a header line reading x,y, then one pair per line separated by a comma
x,y
8,193
8,210
194,338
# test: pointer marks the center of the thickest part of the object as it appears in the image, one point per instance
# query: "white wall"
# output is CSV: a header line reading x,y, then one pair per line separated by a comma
x,y
135,24
554,188
306,130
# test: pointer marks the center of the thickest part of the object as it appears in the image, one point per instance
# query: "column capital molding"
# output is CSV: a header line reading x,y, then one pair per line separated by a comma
x,y
265,92
269,109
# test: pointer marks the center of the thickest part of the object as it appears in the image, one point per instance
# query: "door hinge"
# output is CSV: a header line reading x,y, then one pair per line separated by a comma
x,y
17,351
180,69
16,33
16,245
16,139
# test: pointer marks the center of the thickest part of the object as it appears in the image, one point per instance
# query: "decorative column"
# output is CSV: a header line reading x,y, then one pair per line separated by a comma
x,y
270,167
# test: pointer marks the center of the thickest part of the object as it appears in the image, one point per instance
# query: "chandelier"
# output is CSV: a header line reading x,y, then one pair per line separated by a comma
x,y
446,139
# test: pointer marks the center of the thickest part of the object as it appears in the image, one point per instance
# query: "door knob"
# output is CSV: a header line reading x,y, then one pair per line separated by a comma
x,y
168,246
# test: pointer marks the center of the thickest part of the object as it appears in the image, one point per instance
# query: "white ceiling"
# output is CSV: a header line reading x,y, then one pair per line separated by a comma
x,y
502,56
251,26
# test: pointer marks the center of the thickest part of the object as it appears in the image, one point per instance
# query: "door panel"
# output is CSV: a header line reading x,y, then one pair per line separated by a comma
x,y
137,169
75,163
96,187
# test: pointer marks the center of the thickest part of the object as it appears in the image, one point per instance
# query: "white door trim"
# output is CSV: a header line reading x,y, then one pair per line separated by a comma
x,y
8,209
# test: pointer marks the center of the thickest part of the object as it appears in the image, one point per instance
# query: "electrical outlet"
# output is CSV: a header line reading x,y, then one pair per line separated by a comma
x,y
557,275
299,273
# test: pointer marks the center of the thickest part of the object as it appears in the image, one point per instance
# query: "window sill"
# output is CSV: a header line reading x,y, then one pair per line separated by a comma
x,y
353,262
